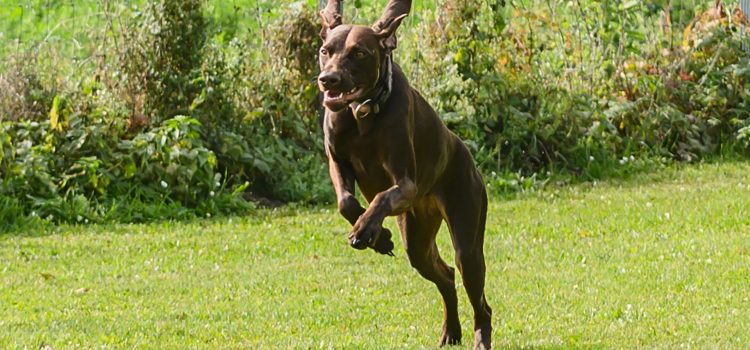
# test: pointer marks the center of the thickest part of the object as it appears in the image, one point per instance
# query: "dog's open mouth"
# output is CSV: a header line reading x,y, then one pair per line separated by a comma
x,y
337,97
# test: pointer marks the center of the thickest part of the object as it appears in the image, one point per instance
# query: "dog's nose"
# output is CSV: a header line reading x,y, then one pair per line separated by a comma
x,y
329,79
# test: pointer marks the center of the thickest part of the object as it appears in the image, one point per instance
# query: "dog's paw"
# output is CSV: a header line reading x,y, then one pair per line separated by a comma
x,y
384,244
482,338
450,335
363,235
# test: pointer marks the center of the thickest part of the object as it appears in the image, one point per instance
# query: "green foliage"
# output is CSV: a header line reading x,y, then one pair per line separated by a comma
x,y
161,53
88,172
147,156
171,158
22,93
281,99
536,89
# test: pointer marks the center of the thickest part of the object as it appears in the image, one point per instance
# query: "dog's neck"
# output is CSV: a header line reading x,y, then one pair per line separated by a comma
x,y
371,106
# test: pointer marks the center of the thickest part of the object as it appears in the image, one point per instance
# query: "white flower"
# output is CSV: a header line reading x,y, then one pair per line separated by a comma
x,y
591,158
163,184
211,193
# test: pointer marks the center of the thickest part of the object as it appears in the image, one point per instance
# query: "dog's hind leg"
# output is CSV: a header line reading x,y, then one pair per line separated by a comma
x,y
418,229
466,213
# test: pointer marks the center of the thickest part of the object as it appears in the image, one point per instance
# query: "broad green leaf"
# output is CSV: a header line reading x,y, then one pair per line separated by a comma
x,y
54,114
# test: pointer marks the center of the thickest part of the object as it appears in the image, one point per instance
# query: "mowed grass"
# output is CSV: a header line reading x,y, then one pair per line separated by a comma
x,y
662,261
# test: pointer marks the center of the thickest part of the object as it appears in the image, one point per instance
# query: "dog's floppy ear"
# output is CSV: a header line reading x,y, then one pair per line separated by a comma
x,y
331,17
386,32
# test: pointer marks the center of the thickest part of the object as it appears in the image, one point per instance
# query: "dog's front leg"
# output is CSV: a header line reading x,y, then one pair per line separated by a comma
x,y
342,177
395,200
401,167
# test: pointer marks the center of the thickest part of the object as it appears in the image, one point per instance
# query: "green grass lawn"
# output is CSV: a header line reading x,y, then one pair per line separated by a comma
x,y
662,261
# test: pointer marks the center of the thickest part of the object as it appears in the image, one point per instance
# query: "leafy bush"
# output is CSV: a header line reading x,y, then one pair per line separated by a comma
x,y
22,93
160,56
88,173
528,96
282,119
96,158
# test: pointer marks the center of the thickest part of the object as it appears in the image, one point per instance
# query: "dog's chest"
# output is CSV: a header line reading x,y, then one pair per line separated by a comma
x,y
363,152
345,138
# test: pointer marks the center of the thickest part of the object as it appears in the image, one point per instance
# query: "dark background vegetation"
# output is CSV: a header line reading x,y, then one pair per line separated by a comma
x,y
181,108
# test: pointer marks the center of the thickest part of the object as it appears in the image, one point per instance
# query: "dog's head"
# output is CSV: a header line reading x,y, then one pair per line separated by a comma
x,y
353,59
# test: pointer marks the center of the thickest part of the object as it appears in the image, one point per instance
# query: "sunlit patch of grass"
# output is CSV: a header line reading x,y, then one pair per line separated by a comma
x,y
663,262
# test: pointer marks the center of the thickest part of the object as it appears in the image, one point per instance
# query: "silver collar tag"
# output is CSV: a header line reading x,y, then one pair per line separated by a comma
x,y
363,110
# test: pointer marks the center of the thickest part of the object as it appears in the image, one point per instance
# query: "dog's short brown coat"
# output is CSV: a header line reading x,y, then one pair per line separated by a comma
x,y
405,162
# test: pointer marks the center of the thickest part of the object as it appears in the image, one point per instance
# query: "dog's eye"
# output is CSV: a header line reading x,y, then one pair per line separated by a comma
x,y
360,55
324,52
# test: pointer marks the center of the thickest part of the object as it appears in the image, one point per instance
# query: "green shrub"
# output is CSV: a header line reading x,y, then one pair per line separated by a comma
x,y
22,94
530,98
160,54
281,123
88,170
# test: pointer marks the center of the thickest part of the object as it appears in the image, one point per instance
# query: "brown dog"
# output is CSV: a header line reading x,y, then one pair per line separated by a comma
x,y
381,134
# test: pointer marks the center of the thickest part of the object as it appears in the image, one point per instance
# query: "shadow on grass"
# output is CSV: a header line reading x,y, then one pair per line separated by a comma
x,y
14,223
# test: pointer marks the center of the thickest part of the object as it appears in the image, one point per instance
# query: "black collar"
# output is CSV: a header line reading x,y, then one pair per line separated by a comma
x,y
372,106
